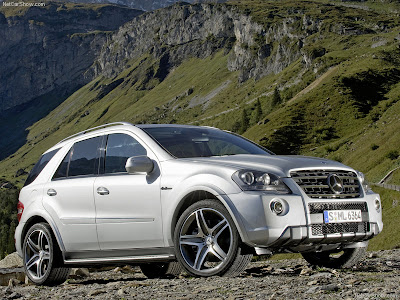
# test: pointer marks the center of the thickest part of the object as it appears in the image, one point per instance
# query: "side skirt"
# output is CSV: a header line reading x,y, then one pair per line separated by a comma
x,y
119,256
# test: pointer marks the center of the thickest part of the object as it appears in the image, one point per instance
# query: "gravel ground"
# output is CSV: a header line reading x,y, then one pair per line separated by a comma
x,y
376,277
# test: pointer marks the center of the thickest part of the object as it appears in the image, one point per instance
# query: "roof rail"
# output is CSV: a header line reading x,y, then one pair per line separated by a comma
x,y
95,128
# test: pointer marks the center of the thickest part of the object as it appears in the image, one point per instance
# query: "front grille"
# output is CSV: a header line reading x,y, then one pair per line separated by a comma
x,y
315,183
318,229
316,207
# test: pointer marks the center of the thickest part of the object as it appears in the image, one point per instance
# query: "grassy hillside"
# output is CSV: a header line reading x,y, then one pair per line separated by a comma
x,y
344,106
340,100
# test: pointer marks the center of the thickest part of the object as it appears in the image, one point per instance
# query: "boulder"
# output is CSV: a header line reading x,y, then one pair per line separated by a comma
x,y
11,261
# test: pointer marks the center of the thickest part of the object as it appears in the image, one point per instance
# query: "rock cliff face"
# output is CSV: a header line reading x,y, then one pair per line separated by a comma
x,y
49,49
146,5
181,31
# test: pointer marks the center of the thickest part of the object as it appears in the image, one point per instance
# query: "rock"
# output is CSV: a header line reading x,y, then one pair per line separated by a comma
x,y
312,290
97,292
372,255
14,295
79,273
64,35
322,275
312,282
9,274
12,260
330,287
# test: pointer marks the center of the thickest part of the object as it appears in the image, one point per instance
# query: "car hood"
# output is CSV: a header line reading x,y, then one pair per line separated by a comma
x,y
280,165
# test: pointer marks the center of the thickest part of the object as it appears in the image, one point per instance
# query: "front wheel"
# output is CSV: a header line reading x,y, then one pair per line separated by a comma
x,y
207,242
338,259
42,258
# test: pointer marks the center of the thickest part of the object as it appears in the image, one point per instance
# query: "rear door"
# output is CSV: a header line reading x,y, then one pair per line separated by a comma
x,y
68,197
128,211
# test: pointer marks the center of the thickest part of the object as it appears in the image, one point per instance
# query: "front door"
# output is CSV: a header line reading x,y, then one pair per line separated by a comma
x,y
128,211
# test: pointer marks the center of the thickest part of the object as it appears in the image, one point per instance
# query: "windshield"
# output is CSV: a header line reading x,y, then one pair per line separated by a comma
x,y
185,142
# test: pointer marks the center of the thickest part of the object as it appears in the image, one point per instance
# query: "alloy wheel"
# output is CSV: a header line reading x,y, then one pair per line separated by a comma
x,y
37,254
205,240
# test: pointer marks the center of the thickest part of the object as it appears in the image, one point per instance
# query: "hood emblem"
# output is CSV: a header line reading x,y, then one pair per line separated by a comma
x,y
335,183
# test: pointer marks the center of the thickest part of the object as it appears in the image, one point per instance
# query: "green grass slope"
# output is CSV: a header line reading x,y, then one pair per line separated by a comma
x,y
346,108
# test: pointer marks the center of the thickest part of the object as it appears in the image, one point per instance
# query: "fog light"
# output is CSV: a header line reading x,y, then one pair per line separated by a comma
x,y
277,207
377,205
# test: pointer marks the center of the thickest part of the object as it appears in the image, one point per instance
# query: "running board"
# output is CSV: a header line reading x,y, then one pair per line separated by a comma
x,y
146,258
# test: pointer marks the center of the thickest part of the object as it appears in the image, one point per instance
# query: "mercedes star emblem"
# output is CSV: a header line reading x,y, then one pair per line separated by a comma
x,y
335,183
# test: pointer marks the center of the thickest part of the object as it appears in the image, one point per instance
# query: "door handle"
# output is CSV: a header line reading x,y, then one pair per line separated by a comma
x,y
102,191
51,192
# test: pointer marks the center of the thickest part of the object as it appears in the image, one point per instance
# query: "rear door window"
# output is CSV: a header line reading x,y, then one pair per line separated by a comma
x,y
82,159
119,148
44,159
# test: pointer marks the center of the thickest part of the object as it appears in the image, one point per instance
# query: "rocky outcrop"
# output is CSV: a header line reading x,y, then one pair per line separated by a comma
x,y
181,31
48,49
146,5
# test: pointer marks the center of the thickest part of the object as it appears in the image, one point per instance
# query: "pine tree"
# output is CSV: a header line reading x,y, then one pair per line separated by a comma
x,y
244,122
259,111
276,97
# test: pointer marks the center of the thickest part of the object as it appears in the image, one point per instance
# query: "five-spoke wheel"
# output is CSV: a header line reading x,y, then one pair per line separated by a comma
x,y
42,261
207,242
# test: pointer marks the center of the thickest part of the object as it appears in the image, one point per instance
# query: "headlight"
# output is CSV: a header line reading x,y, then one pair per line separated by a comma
x,y
364,182
249,180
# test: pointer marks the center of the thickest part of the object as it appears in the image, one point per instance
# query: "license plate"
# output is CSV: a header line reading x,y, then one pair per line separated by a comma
x,y
342,216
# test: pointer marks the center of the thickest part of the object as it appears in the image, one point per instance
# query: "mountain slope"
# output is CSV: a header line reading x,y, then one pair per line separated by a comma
x,y
45,55
237,66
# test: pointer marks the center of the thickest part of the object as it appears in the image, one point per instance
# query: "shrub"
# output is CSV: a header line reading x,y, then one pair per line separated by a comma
x,y
394,154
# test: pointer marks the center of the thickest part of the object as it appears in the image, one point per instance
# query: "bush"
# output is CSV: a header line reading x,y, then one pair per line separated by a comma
x,y
394,154
374,146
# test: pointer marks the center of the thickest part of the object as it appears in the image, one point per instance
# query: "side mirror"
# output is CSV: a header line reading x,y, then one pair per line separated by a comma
x,y
139,164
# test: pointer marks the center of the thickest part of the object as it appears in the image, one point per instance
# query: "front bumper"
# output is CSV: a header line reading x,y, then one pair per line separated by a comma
x,y
301,228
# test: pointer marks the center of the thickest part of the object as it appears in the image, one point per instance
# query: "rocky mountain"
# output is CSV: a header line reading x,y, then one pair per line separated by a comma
x,y
312,78
146,5
46,55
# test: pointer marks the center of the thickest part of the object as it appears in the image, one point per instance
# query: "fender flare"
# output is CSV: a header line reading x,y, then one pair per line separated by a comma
x,y
52,224
221,196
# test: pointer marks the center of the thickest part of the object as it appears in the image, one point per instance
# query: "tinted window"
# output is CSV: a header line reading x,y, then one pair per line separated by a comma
x,y
119,148
202,142
84,157
63,168
44,159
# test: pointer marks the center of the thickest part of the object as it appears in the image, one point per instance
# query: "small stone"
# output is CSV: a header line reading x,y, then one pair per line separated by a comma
x,y
330,287
97,292
305,271
120,292
372,255
312,290
14,295
313,282
117,270
79,273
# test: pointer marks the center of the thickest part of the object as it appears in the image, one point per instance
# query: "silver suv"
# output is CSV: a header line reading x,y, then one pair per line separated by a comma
x,y
171,196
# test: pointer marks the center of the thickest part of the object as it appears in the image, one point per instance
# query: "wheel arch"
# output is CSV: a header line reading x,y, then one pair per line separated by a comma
x,y
199,193
42,219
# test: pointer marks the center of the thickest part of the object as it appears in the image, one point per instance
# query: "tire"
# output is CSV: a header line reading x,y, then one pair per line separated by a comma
x,y
207,242
334,259
42,258
161,270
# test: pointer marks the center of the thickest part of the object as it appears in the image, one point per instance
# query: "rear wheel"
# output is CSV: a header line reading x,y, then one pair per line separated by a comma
x,y
207,242
160,270
337,259
42,258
